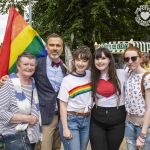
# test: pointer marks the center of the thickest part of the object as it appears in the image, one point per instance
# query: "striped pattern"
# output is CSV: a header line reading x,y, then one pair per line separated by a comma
x,y
23,104
8,98
19,37
144,47
79,90
120,46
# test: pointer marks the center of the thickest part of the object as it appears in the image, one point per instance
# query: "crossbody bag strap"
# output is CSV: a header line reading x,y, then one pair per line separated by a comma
x,y
142,84
118,95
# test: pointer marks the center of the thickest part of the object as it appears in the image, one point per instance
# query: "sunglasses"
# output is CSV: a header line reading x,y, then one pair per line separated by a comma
x,y
133,58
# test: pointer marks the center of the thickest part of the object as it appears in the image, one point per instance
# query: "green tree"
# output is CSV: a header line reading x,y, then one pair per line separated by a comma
x,y
19,4
89,20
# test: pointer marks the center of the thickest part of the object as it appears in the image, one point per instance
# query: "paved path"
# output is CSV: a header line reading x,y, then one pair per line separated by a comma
x,y
122,147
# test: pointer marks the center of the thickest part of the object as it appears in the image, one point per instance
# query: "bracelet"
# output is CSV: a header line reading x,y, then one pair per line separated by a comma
x,y
140,140
142,135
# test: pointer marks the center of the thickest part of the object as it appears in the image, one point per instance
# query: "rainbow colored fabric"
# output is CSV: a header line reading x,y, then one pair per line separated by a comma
x,y
79,90
19,37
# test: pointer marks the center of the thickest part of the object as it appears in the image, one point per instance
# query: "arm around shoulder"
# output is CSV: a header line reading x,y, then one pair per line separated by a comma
x,y
3,79
121,73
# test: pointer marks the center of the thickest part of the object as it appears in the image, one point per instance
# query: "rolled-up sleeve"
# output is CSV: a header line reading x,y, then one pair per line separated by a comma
x,y
5,104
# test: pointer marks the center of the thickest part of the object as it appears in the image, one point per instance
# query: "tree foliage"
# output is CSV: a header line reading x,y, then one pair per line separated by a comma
x,y
19,4
89,20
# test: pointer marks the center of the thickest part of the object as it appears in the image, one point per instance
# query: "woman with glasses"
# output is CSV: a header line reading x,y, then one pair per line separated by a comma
x,y
108,114
137,129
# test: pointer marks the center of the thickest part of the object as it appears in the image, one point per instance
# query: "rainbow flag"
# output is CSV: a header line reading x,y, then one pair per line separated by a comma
x,y
80,90
19,37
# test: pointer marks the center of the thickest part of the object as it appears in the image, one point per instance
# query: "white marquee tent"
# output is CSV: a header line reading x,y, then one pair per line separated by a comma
x,y
120,46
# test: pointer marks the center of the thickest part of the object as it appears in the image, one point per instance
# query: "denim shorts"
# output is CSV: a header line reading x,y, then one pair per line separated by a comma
x,y
132,133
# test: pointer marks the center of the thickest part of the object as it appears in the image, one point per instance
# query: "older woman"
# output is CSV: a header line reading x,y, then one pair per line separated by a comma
x,y
20,120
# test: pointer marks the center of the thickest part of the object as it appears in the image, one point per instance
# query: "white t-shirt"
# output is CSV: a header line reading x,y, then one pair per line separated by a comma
x,y
134,101
76,91
111,101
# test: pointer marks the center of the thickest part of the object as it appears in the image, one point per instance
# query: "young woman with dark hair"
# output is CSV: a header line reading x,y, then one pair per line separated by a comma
x,y
108,114
76,102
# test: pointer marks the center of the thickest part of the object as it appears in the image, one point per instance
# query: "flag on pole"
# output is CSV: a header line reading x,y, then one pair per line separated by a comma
x,y
19,37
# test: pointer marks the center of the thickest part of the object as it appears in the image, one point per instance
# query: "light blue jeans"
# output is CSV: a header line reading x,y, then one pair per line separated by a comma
x,y
131,135
79,127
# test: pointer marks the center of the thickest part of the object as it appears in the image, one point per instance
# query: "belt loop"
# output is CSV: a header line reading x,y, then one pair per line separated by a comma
x,y
76,113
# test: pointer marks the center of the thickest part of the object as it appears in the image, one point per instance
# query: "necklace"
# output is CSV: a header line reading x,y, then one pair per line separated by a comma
x,y
83,74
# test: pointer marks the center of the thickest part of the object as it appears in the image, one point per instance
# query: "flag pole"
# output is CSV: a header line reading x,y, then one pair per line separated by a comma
x,y
66,68
30,13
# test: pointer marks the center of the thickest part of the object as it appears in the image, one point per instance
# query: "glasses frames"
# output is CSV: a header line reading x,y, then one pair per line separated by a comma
x,y
133,58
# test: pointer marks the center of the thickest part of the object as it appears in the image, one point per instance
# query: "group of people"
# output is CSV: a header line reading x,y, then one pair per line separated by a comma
x,y
146,61
103,104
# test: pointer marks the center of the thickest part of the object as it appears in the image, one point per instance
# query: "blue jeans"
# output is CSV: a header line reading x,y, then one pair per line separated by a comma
x,y
131,135
79,127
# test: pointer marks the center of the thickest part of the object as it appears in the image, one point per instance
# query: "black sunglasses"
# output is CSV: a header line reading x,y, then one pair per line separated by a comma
x,y
133,58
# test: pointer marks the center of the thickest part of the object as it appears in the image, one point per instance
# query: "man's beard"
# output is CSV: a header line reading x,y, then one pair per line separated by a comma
x,y
55,56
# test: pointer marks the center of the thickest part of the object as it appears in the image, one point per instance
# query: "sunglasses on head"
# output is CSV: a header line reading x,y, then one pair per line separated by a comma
x,y
133,58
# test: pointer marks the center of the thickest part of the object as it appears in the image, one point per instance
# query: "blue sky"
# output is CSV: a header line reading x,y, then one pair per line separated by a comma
x,y
3,22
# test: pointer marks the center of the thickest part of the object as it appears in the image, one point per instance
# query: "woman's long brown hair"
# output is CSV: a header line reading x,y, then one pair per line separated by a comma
x,y
95,73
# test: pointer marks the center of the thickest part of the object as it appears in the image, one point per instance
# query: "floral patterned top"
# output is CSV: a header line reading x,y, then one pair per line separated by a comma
x,y
134,101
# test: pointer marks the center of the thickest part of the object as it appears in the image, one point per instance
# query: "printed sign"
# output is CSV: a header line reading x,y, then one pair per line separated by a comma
x,y
143,15
112,47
